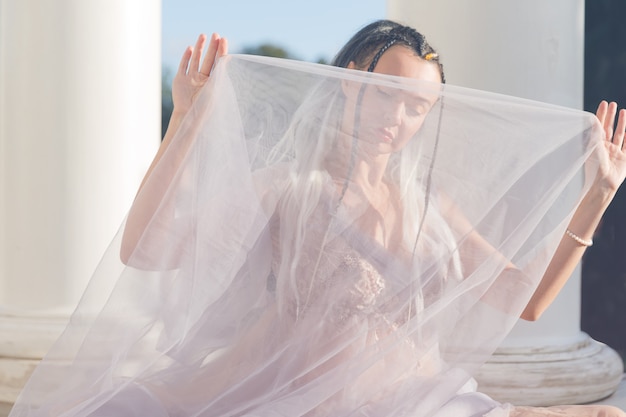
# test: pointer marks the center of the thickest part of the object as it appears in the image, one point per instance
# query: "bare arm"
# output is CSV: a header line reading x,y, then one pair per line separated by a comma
x,y
584,222
193,73
588,214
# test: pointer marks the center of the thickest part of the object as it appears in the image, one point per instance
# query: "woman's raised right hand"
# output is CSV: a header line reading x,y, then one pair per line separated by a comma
x,y
194,71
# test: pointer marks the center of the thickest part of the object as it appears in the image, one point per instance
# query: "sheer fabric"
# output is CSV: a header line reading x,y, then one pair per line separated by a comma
x,y
269,280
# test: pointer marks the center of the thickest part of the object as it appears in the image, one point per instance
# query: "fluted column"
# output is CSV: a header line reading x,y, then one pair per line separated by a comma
x,y
532,49
79,122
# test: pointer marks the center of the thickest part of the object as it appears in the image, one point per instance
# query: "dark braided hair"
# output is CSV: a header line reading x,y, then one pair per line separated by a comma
x,y
365,49
367,46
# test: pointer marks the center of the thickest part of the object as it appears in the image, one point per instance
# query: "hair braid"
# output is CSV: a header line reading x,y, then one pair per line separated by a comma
x,y
367,46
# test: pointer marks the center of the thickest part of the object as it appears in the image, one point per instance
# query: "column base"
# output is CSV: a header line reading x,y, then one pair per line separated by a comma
x,y
14,373
24,340
5,409
581,372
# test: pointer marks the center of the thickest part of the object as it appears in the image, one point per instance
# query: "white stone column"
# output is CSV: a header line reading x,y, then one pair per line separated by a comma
x,y
79,122
532,49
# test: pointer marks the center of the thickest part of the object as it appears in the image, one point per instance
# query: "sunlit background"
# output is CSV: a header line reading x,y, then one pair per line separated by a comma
x,y
308,30
79,121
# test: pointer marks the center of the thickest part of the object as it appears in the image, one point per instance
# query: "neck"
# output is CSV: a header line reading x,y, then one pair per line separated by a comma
x,y
349,161
369,173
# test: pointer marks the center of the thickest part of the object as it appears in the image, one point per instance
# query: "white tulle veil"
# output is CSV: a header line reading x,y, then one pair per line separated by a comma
x,y
265,285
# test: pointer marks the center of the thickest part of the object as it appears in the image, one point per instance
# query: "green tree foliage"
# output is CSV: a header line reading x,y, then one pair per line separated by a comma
x,y
167,106
266,49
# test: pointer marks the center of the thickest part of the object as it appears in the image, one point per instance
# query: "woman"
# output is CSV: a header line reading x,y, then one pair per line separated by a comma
x,y
322,242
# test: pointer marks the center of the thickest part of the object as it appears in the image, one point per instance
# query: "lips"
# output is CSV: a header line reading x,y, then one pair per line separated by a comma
x,y
385,135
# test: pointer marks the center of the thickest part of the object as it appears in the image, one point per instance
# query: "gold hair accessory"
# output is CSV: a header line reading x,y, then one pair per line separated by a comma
x,y
430,56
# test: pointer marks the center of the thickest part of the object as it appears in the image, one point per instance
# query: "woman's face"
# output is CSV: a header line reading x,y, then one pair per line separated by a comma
x,y
390,117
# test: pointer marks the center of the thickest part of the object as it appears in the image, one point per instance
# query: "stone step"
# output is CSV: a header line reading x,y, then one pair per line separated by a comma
x,y
619,398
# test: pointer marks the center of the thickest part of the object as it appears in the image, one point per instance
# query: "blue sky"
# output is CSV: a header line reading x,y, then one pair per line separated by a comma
x,y
307,29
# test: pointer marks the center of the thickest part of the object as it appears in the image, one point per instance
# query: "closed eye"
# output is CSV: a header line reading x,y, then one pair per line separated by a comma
x,y
415,111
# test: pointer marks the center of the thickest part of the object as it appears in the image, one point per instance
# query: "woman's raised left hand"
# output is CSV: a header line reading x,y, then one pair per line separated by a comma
x,y
613,160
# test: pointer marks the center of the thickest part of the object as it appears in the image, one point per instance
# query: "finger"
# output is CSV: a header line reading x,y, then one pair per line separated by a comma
x,y
223,49
197,53
609,121
184,61
601,111
618,138
209,59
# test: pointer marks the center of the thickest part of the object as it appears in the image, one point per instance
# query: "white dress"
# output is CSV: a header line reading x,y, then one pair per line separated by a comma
x,y
263,281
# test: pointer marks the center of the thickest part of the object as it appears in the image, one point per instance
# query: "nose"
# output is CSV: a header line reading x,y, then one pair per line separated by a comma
x,y
393,113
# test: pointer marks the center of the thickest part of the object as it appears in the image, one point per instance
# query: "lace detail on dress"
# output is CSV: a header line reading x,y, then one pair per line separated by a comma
x,y
344,287
369,284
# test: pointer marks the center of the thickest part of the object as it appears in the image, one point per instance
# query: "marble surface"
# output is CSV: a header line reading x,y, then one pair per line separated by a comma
x,y
619,398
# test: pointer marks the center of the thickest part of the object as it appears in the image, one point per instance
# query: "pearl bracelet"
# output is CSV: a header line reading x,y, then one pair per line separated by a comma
x,y
579,239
